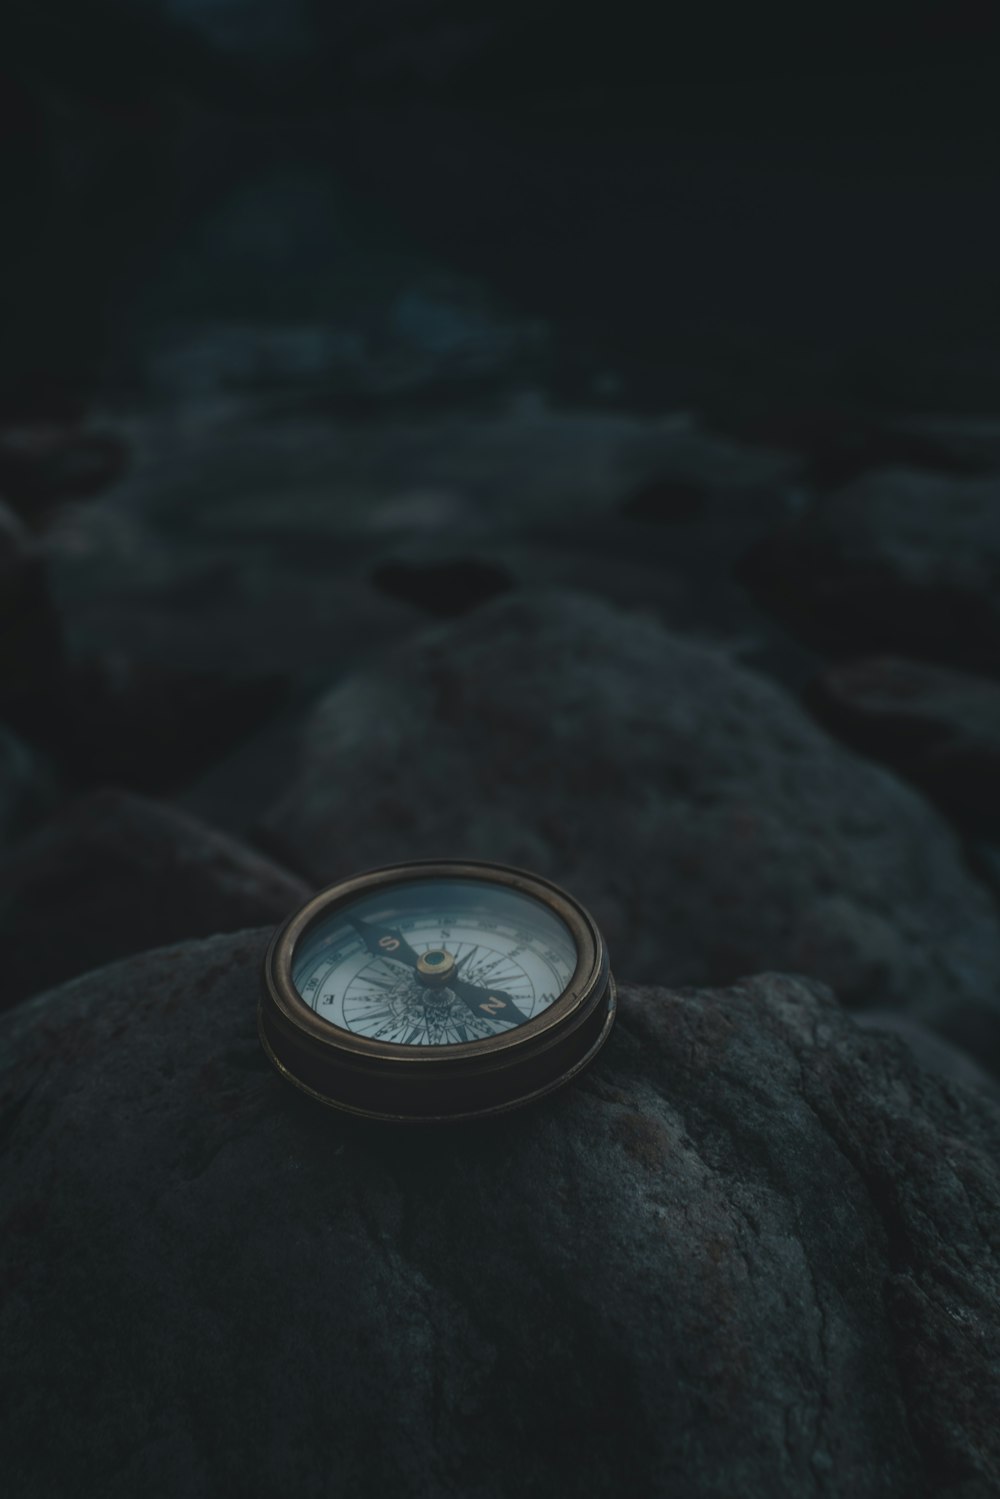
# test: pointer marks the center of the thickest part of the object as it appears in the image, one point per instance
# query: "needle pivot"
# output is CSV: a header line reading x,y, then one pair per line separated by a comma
x,y
435,967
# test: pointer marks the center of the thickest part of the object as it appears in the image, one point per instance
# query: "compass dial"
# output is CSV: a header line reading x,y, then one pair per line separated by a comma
x,y
435,991
435,963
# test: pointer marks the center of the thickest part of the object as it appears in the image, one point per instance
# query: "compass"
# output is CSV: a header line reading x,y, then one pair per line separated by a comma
x,y
435,991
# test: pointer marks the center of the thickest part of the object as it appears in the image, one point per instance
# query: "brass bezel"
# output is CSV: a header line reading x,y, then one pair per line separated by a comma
x,y
389,1080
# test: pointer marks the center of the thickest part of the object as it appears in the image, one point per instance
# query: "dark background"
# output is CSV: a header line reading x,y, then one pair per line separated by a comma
x,y
323,321
733,206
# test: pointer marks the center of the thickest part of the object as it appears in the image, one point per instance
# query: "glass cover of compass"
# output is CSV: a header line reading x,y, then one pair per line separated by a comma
x,y
435,991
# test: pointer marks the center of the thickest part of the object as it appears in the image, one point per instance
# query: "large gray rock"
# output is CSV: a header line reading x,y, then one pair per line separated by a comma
x,y
115,874
897,561
748,1253
710,824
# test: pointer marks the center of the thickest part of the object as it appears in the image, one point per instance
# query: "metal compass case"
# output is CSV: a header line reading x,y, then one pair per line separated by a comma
x,y
437,990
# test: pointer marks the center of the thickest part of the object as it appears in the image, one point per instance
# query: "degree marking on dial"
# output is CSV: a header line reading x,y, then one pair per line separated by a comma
x,y
362,974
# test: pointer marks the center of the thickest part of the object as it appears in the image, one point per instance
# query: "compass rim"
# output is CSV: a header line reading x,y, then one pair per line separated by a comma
x,y
505,1106
285,998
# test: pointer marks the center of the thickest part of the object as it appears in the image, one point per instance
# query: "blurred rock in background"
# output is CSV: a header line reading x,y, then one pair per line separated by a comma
x,y
710,826
114,874
938,727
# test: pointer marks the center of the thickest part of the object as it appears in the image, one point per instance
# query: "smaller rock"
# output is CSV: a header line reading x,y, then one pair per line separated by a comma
x,y
150,726
231,792
938,727
115,874
902,561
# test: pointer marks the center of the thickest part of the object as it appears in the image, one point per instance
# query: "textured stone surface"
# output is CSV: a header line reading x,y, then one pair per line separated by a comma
x,y
713,828
114,874
937,726
751,1251
898,561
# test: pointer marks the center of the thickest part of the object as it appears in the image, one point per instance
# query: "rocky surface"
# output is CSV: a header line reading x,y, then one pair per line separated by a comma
x,y
115,874
901,560
937,726
750,1251
712,827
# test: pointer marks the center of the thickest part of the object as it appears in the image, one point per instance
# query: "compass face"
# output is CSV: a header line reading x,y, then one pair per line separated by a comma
x,y
434,962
